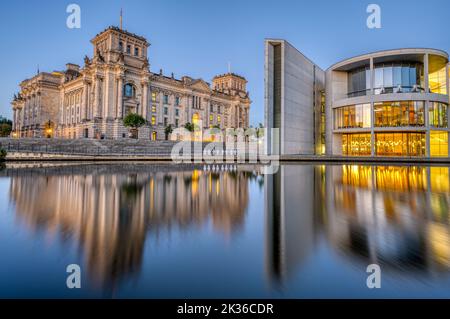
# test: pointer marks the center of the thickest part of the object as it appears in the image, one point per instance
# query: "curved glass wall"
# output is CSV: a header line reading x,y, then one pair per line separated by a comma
x,y
400,144
356,144
398,78
438,114
358,82
353,116
438,144
438,81
397,114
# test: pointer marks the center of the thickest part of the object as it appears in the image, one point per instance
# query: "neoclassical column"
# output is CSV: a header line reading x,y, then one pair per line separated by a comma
x,y
144,102
119,110
86,100
97,96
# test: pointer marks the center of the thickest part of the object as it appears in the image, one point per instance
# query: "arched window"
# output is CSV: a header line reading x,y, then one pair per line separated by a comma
x,y
129,90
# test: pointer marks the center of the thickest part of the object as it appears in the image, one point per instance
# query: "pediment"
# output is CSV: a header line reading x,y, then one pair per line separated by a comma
x,y
200,85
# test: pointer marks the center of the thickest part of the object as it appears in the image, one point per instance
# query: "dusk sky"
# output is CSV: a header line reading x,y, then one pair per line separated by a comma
x,y
199,38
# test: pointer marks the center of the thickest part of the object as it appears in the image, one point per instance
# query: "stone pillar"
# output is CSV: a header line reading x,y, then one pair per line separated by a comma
x,y
119,111
83,103
144,100
427,126
97,97
426,71
14,119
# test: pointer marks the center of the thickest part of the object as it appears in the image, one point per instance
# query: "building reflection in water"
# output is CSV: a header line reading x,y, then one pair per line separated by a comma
x,y
110,214
396,216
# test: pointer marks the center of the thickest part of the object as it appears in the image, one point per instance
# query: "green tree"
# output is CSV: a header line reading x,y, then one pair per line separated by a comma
x,y
134,121
189,126
5,127
168,130
2,154
260,130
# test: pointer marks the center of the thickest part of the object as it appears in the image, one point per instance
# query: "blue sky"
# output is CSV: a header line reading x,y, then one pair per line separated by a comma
x,y
198,38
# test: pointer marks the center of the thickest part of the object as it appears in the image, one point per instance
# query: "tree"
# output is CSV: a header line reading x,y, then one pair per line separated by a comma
x,y
2,154
5,127
189,126
134,122
168,130
260,131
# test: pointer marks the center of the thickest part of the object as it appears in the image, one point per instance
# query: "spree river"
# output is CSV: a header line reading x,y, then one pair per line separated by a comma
x,y
167,231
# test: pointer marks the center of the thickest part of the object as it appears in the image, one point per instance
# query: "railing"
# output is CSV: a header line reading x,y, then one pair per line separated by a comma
x,y
387,90
118,150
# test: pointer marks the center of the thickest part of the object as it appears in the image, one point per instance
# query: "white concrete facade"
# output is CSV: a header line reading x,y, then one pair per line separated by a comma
x,y
293,86
299,107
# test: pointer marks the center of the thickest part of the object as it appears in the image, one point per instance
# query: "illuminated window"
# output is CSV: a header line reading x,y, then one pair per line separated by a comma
x,y
356,144
154,108
438,114
153,96
437,79
395,114
354,116
211,118
218,119
153,120
400,144
438,144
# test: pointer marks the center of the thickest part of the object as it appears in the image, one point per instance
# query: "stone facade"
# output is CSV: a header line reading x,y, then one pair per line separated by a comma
x,y
91,102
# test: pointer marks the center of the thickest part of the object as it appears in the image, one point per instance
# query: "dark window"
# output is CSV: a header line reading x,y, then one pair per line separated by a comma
x,y
128,49
136,51
129,90
120,46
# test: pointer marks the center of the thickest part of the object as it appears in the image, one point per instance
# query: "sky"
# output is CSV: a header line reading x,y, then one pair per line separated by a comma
x,y
199,38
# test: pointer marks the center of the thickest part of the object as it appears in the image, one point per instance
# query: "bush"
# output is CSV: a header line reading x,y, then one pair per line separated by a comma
x,y
2,154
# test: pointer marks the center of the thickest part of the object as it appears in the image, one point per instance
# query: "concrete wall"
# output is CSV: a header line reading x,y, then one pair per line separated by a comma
x,y
300,86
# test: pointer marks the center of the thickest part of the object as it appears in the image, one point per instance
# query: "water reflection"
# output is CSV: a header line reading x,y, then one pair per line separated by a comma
x,y
180,231
396,216
110,214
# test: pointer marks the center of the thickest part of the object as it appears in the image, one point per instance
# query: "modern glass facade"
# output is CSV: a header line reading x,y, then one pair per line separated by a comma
x,y
400,144
356,144
359,82
398,77
353,116
395,114
438,81
438,143
438,114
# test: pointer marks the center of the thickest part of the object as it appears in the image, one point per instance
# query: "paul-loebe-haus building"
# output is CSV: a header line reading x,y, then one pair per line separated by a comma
x,y
91,102
388,103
